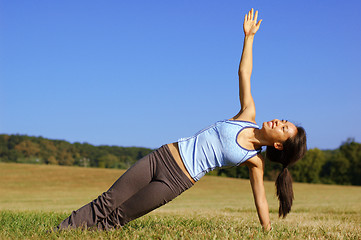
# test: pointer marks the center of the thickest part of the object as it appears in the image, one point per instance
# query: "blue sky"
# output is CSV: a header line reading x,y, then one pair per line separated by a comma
x,y
145,73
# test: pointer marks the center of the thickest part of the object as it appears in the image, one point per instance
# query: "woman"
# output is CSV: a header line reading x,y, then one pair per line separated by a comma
x,y
165,173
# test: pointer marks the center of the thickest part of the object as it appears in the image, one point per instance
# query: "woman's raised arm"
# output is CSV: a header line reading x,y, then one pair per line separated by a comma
x,y
250,27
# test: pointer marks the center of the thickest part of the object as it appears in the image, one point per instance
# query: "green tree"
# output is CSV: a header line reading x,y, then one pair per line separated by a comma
x,y
125,162
309,167
14,140
28,148
65,158
352,152
52,160
335,170
108,161
13,155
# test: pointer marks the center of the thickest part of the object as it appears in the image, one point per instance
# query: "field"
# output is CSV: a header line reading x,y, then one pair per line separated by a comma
x,y
33,198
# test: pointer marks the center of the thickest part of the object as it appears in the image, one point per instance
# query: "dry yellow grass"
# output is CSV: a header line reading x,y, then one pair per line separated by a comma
x,y
326,211
59,188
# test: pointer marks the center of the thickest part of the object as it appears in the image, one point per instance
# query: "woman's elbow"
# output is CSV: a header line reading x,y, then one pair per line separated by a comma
x,y
244,73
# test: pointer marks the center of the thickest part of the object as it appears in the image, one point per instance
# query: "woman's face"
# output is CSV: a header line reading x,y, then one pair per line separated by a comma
x,y
278,131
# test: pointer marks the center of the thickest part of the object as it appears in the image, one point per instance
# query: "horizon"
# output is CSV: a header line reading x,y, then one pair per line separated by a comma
x,y
98,145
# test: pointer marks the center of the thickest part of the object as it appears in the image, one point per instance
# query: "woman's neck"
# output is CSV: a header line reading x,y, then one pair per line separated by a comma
x,y
258,139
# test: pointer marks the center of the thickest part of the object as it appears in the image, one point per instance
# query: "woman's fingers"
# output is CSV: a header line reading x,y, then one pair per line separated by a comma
x,y
259,23
250,15
256,16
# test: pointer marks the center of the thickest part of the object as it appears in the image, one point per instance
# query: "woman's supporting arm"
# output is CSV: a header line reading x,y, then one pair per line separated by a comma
x,y
256,168
250,27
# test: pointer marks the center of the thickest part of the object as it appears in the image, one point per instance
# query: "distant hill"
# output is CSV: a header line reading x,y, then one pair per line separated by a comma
x,y
39,150
339,166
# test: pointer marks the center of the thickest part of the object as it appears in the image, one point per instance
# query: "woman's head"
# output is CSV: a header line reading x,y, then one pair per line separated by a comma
x,y
291,149
276,132
289,152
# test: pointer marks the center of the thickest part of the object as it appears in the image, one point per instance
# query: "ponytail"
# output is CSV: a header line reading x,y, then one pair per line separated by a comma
x,y
284,192
293,150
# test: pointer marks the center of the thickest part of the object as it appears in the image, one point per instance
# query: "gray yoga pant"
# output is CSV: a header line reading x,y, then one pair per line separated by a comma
x,y
150,183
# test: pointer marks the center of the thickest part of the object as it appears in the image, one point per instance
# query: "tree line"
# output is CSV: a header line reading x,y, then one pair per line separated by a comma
x,y
39,150
339,166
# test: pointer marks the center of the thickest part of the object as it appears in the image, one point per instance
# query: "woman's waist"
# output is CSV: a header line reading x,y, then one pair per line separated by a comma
x,y
174,149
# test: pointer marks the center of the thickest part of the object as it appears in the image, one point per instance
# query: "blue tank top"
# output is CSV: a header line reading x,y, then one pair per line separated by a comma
x,y
215,146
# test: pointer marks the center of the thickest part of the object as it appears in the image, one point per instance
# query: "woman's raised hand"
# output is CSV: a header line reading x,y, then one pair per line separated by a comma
x,y
250,25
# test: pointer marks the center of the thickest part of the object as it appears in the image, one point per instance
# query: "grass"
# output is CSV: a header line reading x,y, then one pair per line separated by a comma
x,y
34,198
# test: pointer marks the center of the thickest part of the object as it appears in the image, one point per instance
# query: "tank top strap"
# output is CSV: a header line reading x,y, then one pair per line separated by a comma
x,y
242,123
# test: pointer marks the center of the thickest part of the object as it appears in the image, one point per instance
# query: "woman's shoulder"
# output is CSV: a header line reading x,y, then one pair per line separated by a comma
x,y
245,115
243,118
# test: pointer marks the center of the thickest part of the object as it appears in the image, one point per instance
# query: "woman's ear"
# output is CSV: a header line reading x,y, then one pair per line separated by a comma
x,y
278,145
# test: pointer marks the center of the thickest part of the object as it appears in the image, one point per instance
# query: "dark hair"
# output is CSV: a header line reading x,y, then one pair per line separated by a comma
x,y
293,150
